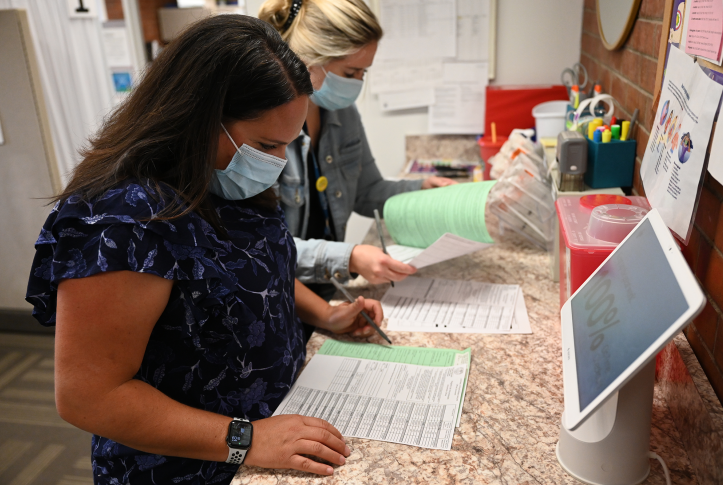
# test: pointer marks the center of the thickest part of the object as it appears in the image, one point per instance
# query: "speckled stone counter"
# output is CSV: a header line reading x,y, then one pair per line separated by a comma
x,y
511,415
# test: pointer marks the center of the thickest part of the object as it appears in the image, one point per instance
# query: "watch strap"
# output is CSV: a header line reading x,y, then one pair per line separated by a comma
x,y
236,457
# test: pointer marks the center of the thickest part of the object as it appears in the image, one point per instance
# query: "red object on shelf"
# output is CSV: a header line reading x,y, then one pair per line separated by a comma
x,y
595,200
511,106
581,254
488,149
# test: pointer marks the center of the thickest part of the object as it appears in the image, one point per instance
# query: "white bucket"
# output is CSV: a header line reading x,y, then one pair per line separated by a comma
x,y
550,118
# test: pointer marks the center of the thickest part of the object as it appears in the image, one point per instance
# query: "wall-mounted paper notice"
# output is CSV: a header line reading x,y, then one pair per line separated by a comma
x,y
704,29
404,74
459,105
418,29
473,24
413,98
673,161
116,45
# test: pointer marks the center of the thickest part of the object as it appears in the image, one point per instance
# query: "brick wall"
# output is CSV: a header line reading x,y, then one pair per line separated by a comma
x,y
149,18
114,8
629,75
149,15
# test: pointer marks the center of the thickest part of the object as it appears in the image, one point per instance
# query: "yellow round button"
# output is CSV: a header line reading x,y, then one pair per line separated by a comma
x,y
322,183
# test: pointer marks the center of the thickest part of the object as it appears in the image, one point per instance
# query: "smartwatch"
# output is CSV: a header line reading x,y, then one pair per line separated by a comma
x,y
238,440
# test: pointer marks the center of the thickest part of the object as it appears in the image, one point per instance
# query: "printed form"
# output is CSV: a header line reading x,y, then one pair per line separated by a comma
x,y
437,305
448,246
385,397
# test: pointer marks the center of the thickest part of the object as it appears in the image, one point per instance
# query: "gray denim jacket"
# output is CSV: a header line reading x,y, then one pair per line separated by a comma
x,y
355,184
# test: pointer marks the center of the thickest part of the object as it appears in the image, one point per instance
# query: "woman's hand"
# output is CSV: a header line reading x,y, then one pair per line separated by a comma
x,y
432,182
377,267
347,318
279,442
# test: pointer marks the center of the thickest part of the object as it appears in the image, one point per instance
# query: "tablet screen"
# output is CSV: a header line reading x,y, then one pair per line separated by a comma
x,y
622,310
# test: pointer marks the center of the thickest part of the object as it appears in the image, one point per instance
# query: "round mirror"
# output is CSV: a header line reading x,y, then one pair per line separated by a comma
x,y
615,19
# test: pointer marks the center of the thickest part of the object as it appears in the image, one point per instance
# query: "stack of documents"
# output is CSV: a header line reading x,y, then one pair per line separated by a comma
x,y
405,395
437,305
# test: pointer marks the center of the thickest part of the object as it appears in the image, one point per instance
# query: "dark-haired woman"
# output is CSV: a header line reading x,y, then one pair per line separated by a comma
x,y
168,270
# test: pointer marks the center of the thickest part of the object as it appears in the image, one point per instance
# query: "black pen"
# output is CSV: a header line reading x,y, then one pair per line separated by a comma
x,y
364,314
381,237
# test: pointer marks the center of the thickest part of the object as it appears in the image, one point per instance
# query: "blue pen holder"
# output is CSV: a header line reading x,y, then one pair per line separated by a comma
x,y
610,164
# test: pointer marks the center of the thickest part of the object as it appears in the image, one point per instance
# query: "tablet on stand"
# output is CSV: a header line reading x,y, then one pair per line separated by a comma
x,y
631,307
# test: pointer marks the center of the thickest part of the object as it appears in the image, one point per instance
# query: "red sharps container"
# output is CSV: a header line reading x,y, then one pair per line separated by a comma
x,y
591,227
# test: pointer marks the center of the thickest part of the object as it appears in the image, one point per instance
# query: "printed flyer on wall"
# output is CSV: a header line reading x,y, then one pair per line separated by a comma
x,y
675,155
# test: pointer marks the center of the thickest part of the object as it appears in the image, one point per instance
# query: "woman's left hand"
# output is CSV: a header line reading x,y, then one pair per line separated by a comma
x,y
432,182
347,318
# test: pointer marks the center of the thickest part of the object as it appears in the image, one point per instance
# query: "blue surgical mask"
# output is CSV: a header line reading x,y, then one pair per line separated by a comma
x,y
337,92
250,172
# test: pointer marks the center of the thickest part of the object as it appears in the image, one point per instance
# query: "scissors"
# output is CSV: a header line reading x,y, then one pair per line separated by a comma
x,y
571,76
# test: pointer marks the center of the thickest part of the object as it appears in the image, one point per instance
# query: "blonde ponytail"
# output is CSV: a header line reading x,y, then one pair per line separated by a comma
x,y
323,30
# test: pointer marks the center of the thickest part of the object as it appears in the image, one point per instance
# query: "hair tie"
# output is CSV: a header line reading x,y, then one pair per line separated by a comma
x,y
293,12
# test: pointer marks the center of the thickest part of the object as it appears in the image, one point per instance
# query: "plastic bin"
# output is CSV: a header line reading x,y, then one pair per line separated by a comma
x,y
487,150
549,118
523,203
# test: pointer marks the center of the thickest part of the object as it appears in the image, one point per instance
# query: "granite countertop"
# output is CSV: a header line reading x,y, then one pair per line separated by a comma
x,y
511,415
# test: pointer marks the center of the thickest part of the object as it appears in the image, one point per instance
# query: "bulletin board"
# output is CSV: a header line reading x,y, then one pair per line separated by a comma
x,y
670,188
713,71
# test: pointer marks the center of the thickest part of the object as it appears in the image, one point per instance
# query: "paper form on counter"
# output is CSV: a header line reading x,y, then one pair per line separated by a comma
x,y
402,395
449,246
673,162
704,29
459,104
450,306
415,29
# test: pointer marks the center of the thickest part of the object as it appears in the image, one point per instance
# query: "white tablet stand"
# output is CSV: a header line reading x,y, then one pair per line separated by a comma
x,y
611,446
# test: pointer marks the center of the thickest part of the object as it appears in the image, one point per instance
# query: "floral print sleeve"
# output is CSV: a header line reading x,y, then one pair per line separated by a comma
x,y
228,340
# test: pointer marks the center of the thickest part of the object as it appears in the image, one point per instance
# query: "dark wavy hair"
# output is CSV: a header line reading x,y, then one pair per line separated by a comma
x,y
222,68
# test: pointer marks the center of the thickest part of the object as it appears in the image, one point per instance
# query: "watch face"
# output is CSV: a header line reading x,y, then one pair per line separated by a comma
x,y
239,434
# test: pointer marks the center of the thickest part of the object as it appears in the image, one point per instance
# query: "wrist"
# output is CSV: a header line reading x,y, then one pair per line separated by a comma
x,y
353,260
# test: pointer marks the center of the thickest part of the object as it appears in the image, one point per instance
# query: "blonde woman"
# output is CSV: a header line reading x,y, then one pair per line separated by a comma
x,y
331,171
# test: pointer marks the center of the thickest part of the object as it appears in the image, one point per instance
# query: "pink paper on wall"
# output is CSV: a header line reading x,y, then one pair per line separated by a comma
x,y
705,28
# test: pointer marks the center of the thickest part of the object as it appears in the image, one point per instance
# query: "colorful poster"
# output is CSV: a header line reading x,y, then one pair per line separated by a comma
x,y
675,155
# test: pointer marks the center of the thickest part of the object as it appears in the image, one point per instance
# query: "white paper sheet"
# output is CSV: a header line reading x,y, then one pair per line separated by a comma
x,y
413,98
521,320
448,306
448,246
473,24
385,401
116,45
418,29
673,161
459,105
404,74
715,161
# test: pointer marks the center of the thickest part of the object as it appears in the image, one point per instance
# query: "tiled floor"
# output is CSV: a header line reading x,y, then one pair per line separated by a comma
x,y
36,446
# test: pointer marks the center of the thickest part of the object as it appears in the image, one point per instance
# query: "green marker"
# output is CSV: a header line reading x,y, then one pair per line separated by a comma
x,y
615,129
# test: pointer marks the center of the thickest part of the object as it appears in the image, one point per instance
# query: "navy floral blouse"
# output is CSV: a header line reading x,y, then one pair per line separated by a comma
x,y
228,340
